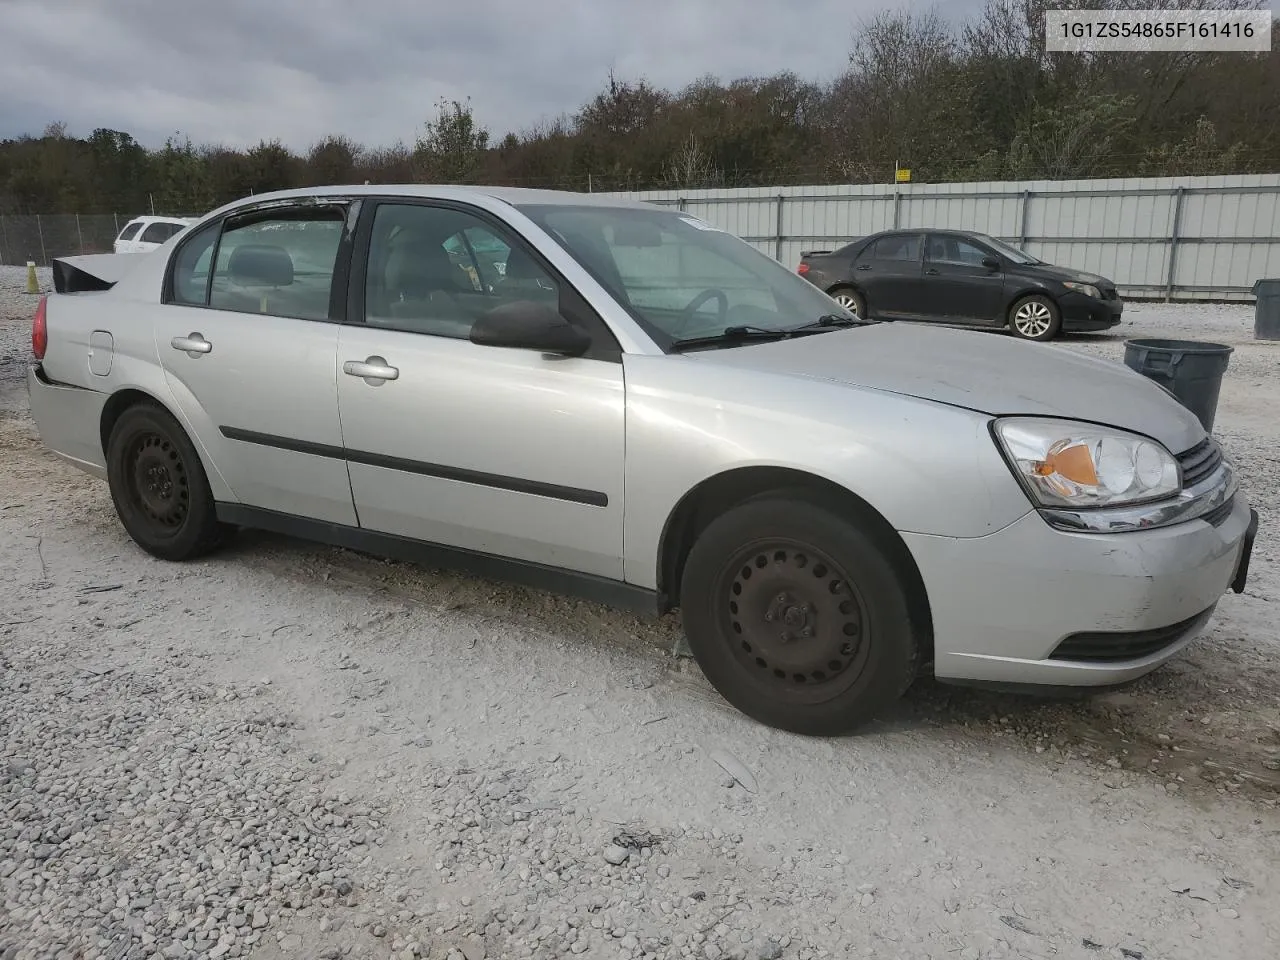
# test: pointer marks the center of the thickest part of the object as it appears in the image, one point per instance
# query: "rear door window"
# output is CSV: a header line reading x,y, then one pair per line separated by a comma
x,y
159,232
904,247
130,231
280,264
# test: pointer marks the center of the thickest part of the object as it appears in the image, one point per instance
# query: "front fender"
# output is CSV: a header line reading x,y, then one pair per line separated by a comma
x,y
924,466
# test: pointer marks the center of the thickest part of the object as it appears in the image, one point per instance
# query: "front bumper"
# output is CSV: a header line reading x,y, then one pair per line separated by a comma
x,y
1085,313
1037,606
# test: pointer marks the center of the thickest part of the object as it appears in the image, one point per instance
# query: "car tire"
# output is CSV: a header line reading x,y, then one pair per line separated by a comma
x,y
850,299
159,487
1035,318
798,616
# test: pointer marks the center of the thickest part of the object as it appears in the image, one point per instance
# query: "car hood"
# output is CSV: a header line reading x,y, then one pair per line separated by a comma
x,y
984,371
1049,272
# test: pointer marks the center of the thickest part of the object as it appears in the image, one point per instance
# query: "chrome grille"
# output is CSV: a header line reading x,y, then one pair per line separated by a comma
x,y
1200,461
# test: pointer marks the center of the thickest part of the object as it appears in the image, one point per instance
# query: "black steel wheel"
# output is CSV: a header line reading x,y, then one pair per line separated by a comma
x,y
798,616
158,485
797,619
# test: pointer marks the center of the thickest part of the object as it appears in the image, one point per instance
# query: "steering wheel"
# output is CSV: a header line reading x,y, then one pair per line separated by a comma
x,y
709,294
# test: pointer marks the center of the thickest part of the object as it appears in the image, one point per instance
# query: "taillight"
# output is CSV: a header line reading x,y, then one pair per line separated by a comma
x,y
802,269
40,330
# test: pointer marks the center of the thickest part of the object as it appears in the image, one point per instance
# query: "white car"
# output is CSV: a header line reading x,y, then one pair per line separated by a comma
x,y
146,233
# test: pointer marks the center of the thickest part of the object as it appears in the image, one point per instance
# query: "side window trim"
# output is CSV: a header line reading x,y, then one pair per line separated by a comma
x,y
605,345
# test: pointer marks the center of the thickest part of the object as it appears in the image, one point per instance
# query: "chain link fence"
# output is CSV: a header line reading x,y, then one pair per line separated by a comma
x,y
42,237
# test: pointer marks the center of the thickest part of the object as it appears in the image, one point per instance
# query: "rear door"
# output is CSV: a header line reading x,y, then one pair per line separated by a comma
x,y
888,272
957,285
492,450
249,352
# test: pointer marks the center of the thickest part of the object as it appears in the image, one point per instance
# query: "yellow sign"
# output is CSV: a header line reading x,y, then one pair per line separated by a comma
x,y
902,175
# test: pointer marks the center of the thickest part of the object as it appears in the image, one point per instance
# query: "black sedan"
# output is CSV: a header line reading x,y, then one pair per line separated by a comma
x,y
964,278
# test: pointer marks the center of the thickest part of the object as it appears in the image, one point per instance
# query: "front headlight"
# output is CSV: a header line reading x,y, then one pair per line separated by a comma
x,y
1063,463
1088,289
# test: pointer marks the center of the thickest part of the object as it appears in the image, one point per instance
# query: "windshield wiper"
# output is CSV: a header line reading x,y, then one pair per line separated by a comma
x,y
829,321
733,335
747,334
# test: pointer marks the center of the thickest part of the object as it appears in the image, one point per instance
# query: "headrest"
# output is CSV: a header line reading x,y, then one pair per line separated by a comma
x,y
263,264
418,267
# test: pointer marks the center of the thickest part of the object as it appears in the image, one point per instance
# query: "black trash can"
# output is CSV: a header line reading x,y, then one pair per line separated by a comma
x,y
1191,369
1266,312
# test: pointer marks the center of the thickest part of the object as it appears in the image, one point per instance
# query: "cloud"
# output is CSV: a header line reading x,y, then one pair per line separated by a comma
x,y
237,71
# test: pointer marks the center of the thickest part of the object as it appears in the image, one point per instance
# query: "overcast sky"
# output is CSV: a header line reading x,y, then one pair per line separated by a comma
x,y
236,71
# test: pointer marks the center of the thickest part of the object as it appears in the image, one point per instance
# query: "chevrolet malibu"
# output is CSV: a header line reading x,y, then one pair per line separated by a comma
x,y
622,402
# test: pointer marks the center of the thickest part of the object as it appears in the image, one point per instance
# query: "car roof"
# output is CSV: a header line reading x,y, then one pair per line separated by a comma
x,y
516,196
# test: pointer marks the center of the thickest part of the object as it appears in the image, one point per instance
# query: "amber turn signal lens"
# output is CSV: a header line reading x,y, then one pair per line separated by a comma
x,y
1073,462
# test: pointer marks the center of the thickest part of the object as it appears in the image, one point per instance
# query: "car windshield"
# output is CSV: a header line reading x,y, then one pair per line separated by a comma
x,y
1013,253
681,278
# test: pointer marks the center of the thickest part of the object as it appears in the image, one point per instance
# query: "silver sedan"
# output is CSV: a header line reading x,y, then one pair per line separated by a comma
x,y
620,401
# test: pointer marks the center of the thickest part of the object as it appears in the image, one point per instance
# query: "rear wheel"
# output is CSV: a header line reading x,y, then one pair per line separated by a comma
x,y
851,300
797,616
159,487
1035,318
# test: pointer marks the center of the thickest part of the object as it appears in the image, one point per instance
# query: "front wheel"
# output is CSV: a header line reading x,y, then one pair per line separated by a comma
x,y
1035,318
797,616
159,487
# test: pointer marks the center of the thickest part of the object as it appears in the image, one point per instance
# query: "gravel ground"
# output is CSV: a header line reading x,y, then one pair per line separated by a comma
x,y
292,751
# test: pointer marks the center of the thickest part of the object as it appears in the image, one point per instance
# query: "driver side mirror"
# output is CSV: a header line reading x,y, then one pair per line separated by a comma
x,y
991,263
527,325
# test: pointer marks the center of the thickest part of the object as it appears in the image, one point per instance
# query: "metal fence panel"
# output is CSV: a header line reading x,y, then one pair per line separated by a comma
x,y
1181,238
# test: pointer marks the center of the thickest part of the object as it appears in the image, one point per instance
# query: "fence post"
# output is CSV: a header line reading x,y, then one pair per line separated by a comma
x,y
681,204
79,233
115,221
896,197
1174,233
1026,213
777,243
44,257
4,238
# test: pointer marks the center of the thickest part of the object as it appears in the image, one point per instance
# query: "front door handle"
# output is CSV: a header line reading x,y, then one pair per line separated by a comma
x,y
864,266
932,272
373,370
193,344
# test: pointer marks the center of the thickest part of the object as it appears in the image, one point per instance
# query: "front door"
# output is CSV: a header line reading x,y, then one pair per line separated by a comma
x,y
249,355
497,451
957,285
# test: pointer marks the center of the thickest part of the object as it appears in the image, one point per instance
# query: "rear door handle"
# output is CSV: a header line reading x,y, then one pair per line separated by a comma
x,y
373,370
864,266
193,344
932,272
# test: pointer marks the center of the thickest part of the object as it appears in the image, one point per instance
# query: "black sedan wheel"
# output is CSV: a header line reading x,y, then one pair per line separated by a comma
x,y
159,486
1035,318
851,300
797,616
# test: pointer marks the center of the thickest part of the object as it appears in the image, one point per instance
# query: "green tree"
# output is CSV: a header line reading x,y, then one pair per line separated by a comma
x,y
453,146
